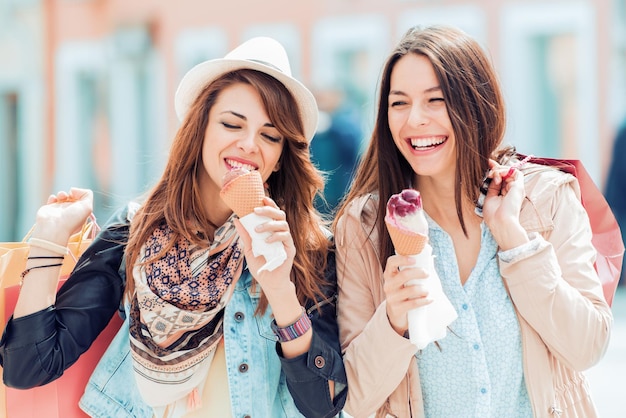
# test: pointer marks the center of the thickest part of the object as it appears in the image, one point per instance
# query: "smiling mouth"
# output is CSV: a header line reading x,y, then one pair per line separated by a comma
x,y
232,165
427,143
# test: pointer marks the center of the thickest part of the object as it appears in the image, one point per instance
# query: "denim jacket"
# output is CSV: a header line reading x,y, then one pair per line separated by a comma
x,y
261,381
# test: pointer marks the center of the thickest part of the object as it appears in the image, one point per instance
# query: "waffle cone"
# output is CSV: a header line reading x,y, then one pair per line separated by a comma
x,y
244,193
405,242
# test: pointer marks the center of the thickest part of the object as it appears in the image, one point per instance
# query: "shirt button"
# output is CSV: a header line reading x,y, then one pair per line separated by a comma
x,y
483,391
476,346
320,362
464,306
239,316
243,367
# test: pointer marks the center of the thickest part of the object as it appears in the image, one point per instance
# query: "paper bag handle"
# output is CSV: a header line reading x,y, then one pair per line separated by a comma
x,y
88,232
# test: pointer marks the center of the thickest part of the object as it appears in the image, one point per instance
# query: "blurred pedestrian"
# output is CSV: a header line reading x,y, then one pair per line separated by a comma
x,y
336,145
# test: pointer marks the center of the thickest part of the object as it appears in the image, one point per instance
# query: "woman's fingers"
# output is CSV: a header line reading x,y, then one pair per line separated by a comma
x,y
78,194
64,213
405,288
74,195
502,178
410,283
277,226
270,209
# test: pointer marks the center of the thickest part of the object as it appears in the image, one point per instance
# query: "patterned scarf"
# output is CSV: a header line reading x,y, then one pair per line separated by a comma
x,y
176,314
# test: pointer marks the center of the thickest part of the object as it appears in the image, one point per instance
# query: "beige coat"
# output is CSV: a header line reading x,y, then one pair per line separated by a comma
x,y
565,321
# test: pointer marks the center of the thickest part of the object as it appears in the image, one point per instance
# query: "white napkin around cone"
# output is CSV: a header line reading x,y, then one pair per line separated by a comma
x,y
429,323
274,252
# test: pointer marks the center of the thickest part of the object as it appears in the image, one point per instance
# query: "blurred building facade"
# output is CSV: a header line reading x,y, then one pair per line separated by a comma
x,y
87,86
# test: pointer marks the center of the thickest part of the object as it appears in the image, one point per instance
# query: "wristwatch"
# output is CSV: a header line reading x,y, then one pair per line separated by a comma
x,y
293,331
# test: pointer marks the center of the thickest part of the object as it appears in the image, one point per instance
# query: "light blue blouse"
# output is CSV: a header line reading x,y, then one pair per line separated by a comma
x,y
477,369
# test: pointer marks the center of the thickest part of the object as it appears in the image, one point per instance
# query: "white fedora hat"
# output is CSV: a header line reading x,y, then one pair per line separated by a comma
x,y
262,54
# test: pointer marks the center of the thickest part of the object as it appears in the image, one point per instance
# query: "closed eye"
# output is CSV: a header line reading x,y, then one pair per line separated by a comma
x,y
397,103
229,126
271,138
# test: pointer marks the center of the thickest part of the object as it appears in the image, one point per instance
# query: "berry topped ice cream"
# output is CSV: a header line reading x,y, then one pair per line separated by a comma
x,y
408,229
406,222
405,210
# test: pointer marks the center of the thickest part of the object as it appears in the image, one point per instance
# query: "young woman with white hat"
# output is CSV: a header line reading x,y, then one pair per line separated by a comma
x,y
208,331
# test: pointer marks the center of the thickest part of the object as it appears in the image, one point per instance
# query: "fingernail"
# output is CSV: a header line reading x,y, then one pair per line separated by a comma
x,y
509,173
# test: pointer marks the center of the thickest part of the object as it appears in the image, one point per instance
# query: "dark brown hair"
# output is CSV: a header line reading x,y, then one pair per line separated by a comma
x,y
176,199
475,106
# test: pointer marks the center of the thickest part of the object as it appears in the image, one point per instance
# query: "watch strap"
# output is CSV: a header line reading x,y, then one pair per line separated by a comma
x,y
293,331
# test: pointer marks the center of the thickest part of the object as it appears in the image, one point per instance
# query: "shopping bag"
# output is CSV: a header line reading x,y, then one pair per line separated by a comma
x,y
59,398
607,238
13,257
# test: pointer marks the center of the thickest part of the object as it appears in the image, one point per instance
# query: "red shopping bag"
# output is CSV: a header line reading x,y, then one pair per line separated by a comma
x,y
13,257
57,399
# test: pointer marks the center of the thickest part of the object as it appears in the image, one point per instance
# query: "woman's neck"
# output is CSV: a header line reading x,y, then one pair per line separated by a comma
x,y
439,202
216,210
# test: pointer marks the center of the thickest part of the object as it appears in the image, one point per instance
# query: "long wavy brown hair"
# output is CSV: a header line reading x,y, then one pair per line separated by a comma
x,y
176,200
475,105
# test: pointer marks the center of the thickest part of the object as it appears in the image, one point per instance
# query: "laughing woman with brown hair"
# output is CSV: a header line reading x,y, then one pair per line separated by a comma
x,y
520,273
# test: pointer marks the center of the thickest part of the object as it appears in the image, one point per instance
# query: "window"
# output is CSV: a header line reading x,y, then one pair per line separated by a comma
x,y
554,93
617,97
94,144
347,54
549,65
9,166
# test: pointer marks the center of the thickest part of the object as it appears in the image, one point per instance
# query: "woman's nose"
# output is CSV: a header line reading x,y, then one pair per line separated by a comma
x,y
248,143
418,116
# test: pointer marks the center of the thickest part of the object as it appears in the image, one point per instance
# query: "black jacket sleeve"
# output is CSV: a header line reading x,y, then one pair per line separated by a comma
x,y
308,374
36,349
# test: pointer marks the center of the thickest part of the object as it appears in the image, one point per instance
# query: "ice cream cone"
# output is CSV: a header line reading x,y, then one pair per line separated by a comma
x,y
244,193
408,228
406,222
406,242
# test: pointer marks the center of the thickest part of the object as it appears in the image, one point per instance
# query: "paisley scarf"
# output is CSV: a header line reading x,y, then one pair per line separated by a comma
x,y
176,313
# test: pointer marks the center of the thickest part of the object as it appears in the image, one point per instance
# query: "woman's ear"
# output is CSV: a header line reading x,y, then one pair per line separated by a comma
x,y
276,167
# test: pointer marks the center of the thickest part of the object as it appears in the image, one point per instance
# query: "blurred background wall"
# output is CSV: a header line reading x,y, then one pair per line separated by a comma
x,y
87,86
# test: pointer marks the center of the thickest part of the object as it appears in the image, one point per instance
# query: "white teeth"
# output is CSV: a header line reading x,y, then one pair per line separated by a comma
x,y
237,164
427,142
